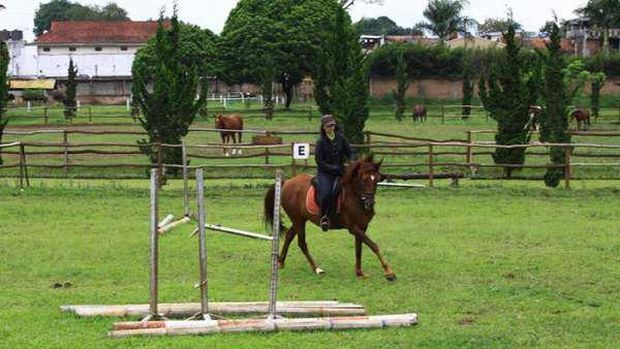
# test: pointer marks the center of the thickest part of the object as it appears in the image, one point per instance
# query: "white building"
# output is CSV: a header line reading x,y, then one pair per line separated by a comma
x,y
98,48
23,57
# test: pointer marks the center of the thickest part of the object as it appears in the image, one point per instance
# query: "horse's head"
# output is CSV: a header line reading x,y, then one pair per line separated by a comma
x,y
362,177
219,121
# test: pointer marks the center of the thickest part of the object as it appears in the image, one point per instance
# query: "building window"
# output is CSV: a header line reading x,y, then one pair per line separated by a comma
x,y
72,49
123,48
46,49
98,48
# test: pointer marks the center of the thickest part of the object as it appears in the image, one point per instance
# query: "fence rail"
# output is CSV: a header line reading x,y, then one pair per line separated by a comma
x,y
463,156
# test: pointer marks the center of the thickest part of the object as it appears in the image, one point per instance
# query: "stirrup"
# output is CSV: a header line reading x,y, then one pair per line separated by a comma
x,y
324,223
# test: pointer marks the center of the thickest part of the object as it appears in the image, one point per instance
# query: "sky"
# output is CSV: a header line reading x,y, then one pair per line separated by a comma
x,y
212,14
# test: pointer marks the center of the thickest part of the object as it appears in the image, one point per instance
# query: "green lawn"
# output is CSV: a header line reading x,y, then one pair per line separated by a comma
x,y
486,265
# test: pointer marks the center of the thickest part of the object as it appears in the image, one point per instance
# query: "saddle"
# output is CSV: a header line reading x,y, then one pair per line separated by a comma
x,y
312,204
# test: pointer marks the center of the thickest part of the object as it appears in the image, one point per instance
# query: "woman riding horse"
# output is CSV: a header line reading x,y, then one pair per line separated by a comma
x,y
332,150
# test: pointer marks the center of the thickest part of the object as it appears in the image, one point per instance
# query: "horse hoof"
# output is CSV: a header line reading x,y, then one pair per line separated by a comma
x,y
319,271
280,265
361,275
391,277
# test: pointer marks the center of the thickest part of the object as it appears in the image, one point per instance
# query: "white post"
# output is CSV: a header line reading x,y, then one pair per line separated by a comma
x,y
273,284
78,104
29,106
202,247
128,104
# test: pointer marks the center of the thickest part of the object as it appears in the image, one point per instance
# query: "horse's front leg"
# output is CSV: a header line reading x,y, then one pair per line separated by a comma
x,y
358,257
387,270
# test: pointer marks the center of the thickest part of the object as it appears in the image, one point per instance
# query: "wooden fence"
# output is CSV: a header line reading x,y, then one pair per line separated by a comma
x,y
271,156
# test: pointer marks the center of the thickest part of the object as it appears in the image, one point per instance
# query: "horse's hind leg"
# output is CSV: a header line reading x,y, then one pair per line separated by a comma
x,y
239,150
290,234
387,270
301,241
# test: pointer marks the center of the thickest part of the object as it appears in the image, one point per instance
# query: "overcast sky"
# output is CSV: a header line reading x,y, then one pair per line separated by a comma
x,y
212,14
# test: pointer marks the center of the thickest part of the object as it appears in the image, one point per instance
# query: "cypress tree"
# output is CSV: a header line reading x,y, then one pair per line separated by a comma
x,y
70,93
597,83
402,84
342,79
561,84
505,95
4,88
170,105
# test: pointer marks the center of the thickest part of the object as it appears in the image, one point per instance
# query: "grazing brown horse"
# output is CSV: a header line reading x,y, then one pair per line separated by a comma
x,y
582,117
359,185
419,113
229,122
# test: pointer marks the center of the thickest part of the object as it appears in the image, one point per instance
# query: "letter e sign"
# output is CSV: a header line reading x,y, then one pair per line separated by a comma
x,y
301,151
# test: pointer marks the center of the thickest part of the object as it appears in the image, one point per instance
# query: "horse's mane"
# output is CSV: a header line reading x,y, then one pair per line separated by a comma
x,y
351,170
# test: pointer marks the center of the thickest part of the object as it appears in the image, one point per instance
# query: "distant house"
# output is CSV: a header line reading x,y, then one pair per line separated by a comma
x,y
474,43
102,50
587,40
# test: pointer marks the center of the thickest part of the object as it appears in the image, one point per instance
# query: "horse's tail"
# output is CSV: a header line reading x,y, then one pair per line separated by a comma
x,y
268,210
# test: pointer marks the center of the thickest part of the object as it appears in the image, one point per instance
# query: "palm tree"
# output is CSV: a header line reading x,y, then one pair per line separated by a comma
x,y
444,18
603,14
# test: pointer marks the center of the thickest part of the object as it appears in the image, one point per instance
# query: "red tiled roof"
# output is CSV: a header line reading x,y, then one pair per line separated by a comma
x,y
78,32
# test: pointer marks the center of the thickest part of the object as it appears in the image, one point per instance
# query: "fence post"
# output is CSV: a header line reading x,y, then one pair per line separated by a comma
x,y
266,156
21,166
90,115
186,180
567,168
468,158
430,165
443,115
160,171
45,115
23,163
367,137
65,143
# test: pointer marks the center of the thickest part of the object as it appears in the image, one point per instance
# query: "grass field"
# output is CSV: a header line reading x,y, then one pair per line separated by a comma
x,y
486,265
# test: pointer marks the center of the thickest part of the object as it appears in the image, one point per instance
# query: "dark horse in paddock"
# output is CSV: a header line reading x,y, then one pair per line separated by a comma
x,y
359,185
582,117
419,113
232,122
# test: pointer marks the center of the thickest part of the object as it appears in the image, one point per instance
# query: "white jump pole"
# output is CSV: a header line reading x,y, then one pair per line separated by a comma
x,y
275,233
153,313
202,246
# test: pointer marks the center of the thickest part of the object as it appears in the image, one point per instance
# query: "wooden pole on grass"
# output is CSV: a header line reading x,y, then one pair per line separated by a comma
x,y
275,233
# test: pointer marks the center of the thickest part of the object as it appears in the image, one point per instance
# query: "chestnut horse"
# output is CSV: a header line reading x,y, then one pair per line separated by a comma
x,y
419,113
582,117
229,122
359,185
